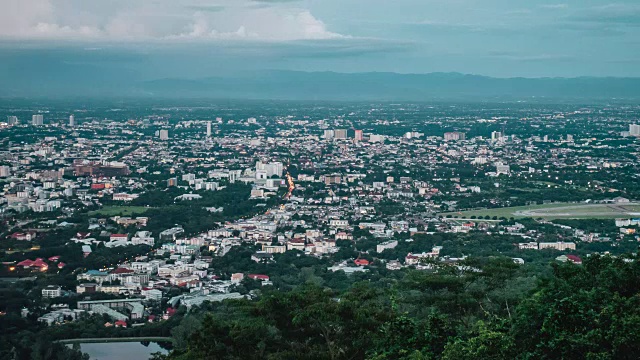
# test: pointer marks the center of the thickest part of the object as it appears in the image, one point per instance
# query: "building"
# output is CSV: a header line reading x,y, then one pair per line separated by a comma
x,y
496,136
95,168
72,121
51,291
133,306
267,170
454,136
164,134
560,246
37,120
337,223
386,245
358,135
340,134
5,171
172,182
274,249
634,130
12,120
171,234
502,169
376,138
329,134
208,129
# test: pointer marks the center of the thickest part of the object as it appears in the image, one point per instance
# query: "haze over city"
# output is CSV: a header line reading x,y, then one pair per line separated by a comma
x,y
149,40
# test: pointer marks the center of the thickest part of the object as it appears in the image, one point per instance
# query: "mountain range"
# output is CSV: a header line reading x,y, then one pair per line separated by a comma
x,y
296,85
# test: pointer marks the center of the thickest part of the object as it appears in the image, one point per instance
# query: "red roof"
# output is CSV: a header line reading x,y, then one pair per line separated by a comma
x,y
82,235
120,235
361,262
54,258
171,311
61,265
122,271
33,263
574,259
121,323
25,263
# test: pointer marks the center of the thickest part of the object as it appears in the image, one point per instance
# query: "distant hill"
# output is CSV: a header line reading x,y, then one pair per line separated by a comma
x,y
392,86
293,85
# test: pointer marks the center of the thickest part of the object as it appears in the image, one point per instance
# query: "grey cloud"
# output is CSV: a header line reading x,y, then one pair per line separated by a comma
x,y
206,8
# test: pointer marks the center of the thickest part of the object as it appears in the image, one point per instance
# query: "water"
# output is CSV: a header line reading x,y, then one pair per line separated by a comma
x,y
120,350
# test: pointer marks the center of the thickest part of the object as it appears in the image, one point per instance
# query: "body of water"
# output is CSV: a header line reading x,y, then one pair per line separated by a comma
x,y
121,350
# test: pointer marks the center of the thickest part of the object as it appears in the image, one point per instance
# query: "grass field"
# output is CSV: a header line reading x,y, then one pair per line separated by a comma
x,y
120,210
558,211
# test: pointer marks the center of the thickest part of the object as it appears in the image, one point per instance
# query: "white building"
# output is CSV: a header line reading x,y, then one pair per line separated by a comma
x,y
269,169
386,245
561,246
51,291
164,134
37,120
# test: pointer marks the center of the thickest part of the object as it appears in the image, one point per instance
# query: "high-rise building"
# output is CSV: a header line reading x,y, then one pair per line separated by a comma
x,y
208,129
496,136
164,134
340,134
12,120
5,171
269,169
454,136
172,182
358,135
72,121
329,134
37,120
634,130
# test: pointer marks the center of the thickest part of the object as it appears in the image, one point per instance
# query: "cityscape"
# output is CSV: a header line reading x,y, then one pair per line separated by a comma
x,y
319,180
131,218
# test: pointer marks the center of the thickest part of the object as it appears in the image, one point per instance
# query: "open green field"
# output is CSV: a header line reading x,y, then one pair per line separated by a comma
x,y
120,210
557,211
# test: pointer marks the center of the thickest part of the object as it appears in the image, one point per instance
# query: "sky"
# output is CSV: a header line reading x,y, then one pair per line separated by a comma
x,y
195,38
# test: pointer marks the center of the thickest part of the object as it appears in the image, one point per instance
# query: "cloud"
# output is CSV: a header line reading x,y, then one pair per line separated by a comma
x,y
555,6
162,20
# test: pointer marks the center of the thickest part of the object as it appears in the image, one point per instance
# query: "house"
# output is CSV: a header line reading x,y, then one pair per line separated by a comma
x,y
28,236
361,262
86,250
37,264
262,256
574,259
120,323
394,265
86,288
237,277
119,237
